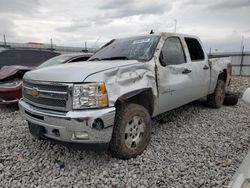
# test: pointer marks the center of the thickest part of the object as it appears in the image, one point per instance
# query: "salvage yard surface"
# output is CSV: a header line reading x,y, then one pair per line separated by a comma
x,y
192,146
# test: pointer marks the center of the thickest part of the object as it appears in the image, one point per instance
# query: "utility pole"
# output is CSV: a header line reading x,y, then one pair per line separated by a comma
x,y
175,25
242,43
242,55
51,44
4,40
86,45
95,45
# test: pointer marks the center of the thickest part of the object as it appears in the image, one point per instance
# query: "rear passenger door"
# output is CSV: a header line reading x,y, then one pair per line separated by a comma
x,y
175,84
198,63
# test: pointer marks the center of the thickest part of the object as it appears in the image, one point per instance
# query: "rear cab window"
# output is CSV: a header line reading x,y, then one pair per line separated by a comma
x,y
195,49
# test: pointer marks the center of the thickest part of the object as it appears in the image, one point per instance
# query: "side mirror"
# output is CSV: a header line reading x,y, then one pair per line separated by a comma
x,y
161,59
246,97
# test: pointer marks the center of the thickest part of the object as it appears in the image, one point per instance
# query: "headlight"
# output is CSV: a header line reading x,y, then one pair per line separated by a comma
x,y
91,95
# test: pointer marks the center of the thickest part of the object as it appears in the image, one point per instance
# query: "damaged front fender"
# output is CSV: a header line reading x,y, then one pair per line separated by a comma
x,y
127,81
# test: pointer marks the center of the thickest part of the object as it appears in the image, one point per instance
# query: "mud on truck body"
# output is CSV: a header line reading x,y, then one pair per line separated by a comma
x,y
112,97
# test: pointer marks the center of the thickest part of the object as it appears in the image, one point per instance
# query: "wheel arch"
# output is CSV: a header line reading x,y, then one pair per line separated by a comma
x,y
225,75
142,97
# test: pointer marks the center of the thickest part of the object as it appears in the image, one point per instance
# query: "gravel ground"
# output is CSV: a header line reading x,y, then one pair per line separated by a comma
x,y
193,146
239,84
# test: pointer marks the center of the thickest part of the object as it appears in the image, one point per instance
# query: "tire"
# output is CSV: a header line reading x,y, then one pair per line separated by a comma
x,y
216,99
231,99
36,130
131,133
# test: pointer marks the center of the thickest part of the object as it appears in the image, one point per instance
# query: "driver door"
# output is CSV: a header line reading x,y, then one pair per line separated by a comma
x,y
175,84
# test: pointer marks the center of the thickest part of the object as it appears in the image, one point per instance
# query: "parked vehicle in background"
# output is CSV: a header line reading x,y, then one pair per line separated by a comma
x,y
11,76
13,64
66,58
111,97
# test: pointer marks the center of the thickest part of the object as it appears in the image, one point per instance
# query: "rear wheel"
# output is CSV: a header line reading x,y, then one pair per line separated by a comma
x,y
131,132
216,99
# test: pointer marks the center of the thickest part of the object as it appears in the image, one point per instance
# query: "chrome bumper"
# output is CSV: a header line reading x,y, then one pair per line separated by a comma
x,y
82,126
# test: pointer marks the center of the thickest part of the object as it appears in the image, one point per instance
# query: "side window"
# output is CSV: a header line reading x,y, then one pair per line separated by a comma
x,y
172,52
195,49
80,59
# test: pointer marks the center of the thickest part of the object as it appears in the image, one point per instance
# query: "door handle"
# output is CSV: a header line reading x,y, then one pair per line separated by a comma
x,y
186,71
206,67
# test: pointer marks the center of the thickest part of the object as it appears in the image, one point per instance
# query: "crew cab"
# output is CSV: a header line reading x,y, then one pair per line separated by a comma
x,y
112,97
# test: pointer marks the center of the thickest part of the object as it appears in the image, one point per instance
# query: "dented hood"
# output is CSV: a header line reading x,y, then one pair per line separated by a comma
x,y
75,72
8,71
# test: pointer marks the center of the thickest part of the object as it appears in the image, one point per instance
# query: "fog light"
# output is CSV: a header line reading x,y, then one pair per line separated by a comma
x,y
98,124
81,135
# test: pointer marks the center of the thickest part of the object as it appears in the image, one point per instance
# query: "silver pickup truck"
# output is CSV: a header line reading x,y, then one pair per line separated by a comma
x,y
112,97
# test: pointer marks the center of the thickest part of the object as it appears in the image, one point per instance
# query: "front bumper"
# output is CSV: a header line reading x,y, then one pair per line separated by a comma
x,y
8,102
73,126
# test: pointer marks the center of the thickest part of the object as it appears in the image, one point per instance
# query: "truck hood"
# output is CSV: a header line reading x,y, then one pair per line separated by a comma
x,y
8,71
75,72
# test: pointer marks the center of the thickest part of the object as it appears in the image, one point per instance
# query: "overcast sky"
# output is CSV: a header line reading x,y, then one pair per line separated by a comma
x,y
220,24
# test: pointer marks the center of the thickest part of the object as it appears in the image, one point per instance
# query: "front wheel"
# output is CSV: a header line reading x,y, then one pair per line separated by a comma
x,y
216,99
131,132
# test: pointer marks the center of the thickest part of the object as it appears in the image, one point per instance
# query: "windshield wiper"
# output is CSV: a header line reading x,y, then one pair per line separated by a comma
x,y
116,58
95,59
110,58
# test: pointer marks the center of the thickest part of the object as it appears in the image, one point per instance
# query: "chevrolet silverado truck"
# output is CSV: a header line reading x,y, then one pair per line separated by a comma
x,y
112,97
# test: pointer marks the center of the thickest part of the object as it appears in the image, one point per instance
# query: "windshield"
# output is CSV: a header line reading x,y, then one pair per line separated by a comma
x,y
136,48
56,60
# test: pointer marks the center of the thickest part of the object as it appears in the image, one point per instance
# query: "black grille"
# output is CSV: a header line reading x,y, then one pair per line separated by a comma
x,y
46,87
46,101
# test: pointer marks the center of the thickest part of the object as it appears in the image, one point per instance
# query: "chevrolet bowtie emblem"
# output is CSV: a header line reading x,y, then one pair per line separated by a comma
x,y
34,92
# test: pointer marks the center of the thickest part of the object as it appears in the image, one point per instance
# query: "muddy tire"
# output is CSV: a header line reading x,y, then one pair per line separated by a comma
x,y
231,99
216,99
131,132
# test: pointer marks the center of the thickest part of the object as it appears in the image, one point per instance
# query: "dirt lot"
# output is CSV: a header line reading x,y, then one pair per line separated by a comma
x,y
193,146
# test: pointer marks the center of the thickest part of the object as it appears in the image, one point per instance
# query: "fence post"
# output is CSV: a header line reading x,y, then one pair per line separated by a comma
x,y
242,60
4,40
